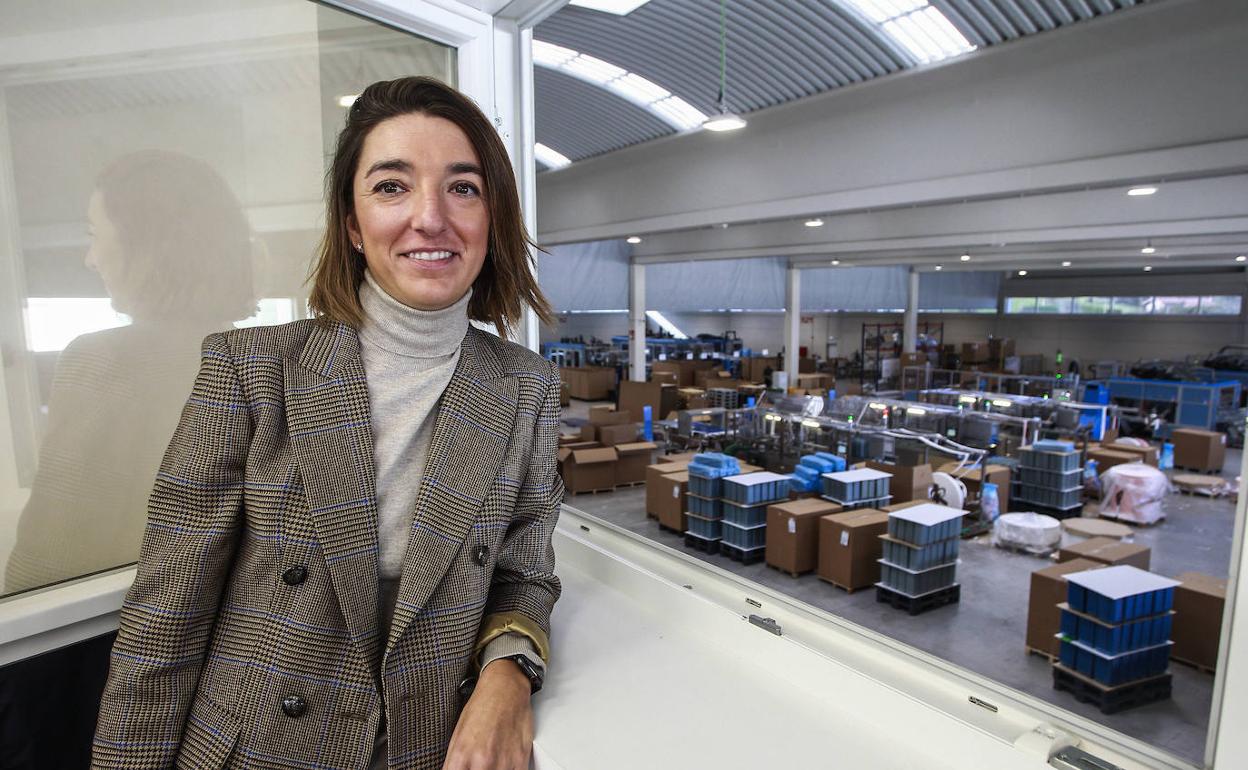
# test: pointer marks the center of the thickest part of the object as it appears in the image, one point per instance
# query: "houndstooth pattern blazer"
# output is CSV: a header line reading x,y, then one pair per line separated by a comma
x,y
271,467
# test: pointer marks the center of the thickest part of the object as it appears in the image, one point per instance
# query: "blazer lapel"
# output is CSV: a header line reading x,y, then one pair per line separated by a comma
x,y
471,434
328,421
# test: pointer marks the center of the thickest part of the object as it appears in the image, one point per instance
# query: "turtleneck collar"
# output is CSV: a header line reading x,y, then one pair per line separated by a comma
x,y
406,331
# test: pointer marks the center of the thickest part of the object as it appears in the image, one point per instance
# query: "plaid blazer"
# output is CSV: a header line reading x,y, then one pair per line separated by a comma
x,y
257,588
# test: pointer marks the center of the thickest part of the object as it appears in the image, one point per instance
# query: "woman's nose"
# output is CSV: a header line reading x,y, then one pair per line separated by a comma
x,y
428,214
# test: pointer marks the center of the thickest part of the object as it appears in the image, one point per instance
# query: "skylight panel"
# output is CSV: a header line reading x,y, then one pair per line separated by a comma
x,y
666,325
679,113
594,70
617,7
548,157
638,89
922,30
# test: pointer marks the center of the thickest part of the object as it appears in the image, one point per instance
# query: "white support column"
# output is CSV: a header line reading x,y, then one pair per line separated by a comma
x,y
792,323
911,331
637,322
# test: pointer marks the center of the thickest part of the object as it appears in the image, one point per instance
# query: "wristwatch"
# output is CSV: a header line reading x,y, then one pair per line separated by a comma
x,y
535,675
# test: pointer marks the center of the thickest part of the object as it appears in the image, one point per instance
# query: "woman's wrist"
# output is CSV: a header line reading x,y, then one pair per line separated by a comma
x,y
504,674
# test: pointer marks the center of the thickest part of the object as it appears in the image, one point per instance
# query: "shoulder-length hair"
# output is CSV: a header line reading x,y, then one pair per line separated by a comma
x,y
507,279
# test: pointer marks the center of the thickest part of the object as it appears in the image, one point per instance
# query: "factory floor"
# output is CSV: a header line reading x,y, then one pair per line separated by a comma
x,y
985,632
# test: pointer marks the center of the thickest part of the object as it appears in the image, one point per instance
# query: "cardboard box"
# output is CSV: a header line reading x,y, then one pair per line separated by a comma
x,y
914,359
635,396
849,545
909,482
1107,551
653,474
974,353
1198,604
671,492
1201,450
610,435
755,369
665,378
1000,348
817,382
793,533
589,383
1048,589
807,366
565,395
588,469
634,457
1148,455
605,414
899,506
574,445
974,478
589,432
1108,458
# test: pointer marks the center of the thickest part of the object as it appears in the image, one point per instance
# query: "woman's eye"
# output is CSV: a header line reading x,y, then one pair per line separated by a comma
x,y
464,188
388,188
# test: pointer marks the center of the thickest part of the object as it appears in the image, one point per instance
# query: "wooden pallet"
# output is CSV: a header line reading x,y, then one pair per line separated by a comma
x,y
1111,700
1050,657
1185,469
746,557
629,484
666,528
1201,667
917,604
592,491
1140,524
846,589
701,544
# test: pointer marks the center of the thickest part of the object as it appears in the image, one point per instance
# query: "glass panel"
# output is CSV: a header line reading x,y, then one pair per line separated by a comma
x,y
1020,304
156,184
1177,306
1132,305
1220,305
1052,304
1092,305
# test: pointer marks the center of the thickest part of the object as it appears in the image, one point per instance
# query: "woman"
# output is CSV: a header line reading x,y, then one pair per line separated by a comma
x,y
354,516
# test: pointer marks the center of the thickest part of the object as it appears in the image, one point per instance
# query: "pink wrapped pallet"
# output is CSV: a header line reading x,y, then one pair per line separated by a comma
x,y
1133,492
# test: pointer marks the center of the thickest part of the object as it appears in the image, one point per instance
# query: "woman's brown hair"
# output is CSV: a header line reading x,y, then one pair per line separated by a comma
x,y
507,279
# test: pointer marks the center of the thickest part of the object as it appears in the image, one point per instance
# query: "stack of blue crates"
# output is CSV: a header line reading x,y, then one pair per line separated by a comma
x,y
1050,477
745,502
1116,624
707,472
921,549
807,475
859,488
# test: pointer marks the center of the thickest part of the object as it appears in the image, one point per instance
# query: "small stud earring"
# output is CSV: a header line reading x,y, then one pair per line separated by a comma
x,y
358,246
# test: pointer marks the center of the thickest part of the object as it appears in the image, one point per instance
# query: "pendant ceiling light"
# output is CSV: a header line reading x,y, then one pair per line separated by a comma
x,y
725,120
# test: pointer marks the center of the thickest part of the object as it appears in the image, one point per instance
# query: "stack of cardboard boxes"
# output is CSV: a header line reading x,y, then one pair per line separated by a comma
x,y
607,455
589,383
850,547
1199,450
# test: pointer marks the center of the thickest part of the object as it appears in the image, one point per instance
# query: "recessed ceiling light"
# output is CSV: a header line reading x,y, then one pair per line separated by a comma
x,y
816,222
1148,268
940,267
1022,272
1136,192
836,262
965,257
348,100
634,239
1066,263
1147,250
724,122
1242,258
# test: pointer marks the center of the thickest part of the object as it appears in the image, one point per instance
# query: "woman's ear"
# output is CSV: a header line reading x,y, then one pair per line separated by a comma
x,y
353,230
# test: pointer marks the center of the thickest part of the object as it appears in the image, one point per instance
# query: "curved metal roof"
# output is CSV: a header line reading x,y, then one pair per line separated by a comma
x,y
778,51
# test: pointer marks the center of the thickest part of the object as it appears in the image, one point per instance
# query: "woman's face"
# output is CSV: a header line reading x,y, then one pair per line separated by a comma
x,y
420,211
104,255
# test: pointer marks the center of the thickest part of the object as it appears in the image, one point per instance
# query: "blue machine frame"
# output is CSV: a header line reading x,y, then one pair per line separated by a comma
x,y
1196,404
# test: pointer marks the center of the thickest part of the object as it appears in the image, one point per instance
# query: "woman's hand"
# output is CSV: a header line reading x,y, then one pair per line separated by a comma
x,y
495,730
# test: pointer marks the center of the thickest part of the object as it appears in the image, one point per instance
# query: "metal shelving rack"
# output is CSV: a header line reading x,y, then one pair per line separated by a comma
x,y
874,351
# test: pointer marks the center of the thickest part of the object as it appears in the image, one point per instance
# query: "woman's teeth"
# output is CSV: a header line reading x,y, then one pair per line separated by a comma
x,y
428,256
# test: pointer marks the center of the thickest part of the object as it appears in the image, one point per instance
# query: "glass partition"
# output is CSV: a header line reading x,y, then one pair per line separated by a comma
x,y
161,171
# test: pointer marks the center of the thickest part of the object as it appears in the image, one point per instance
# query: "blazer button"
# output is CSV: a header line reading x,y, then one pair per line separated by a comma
x,y
294,706
295,575
482,555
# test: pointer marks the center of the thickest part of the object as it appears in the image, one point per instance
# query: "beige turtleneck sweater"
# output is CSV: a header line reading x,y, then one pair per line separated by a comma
x,y
409,356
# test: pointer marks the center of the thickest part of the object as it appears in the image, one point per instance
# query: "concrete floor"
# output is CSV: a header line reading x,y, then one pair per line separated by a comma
x,y
985,631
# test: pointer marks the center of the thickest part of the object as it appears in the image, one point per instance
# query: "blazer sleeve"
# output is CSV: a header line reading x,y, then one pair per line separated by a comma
x,y
524,587
194,519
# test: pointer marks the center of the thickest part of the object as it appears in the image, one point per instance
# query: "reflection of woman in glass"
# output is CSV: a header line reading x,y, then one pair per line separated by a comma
x,y
348,559
171,244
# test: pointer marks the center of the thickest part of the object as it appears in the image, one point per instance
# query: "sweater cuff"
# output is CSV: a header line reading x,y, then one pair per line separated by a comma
x,y
510,644
511,624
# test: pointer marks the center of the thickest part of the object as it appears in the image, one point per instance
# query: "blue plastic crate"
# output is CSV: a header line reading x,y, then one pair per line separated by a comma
x,y
924,524
856,486
1109,599
838,462
1113,670
713,465
745,515
703,506
706,487
756,488
746,538
918,557
916,582
704,527
819,464
805,479
1113,639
